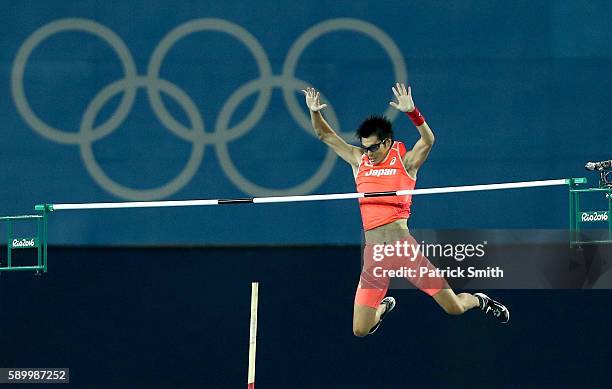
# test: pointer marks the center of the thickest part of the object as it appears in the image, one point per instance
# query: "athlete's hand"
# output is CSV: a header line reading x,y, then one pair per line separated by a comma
x,y
404,98
312,100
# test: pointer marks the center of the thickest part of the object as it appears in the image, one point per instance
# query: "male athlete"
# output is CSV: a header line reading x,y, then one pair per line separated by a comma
x,y
383,164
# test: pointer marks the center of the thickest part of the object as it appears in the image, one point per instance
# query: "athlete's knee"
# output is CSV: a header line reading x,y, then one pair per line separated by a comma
x,y
364,317
361,331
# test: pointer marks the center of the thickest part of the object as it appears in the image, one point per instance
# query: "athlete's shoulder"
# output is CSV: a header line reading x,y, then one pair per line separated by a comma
x,y
400,147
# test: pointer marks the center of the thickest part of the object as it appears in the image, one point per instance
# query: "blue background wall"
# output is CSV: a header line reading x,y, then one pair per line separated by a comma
x,y
513,93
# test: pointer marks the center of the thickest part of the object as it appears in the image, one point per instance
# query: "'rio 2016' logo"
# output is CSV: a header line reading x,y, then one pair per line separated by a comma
x,y
596,216
23,243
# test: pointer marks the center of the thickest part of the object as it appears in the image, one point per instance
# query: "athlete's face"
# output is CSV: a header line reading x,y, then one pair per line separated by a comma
x,y
375,148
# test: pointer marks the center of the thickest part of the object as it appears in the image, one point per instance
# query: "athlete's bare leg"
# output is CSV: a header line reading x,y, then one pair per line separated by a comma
x,y
454,304
365,317
457,304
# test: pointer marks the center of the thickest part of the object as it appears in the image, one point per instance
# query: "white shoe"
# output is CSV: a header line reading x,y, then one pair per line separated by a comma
x,y
390,304
495,308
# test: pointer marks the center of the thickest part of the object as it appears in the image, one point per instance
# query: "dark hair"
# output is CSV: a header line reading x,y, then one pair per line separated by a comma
x,y
378,125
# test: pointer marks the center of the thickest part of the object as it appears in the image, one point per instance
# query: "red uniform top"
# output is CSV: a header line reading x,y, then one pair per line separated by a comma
x,y
388,175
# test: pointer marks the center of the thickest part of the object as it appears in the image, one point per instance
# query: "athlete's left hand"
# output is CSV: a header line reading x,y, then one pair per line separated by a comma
x,y
404,98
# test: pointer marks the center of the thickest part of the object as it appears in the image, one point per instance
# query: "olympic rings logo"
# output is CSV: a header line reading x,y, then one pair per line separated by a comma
x,y
223,134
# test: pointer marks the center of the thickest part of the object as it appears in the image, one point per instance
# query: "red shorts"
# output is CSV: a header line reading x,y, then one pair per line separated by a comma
x,y
400,259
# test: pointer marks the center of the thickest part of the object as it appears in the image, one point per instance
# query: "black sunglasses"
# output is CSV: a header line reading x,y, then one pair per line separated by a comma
x,y
374,148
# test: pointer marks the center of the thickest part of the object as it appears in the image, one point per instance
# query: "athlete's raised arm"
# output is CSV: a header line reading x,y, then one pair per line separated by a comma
x,y
415,157
349,153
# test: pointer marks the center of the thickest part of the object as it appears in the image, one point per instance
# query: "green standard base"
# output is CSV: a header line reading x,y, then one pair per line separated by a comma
x,y
578,217
38,242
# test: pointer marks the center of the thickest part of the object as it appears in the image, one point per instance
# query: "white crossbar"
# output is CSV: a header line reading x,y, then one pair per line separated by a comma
x,y
316,197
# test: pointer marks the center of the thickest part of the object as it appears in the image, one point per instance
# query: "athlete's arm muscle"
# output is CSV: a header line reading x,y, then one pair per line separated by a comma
x,y
414,158
349,153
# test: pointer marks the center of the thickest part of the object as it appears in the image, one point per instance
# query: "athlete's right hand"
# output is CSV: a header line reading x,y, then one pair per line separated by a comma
x,y
312,100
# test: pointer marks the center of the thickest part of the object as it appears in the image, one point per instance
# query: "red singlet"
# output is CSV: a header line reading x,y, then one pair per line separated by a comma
x,y
388,175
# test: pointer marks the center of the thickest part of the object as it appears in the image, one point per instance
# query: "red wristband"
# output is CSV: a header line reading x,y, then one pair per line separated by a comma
x,y
416,117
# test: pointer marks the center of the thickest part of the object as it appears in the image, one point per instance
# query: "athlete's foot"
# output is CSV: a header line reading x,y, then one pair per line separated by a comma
x,y
495,308
389,303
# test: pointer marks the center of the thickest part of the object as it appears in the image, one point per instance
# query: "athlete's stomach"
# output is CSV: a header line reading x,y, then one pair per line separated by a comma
x,y
388,233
